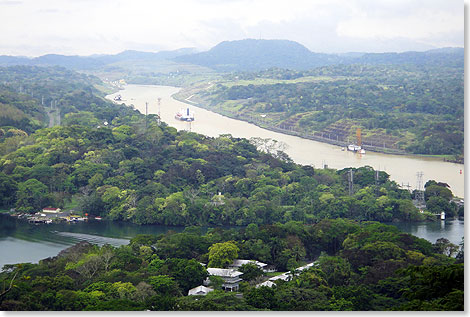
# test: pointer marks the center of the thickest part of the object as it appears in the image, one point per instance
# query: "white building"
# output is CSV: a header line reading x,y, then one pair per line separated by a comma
x,y
51,210
238,264
199,290
231,278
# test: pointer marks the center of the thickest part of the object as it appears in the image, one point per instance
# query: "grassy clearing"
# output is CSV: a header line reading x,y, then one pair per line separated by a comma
x,y
272,81
72,204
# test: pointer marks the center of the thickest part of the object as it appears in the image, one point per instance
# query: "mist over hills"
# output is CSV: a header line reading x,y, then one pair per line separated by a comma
x,y
247,55
94,61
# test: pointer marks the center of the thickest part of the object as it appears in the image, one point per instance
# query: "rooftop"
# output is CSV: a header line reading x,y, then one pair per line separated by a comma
x,y
200,290
223,272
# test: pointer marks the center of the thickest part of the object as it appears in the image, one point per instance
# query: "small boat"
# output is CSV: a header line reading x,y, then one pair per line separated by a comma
x,y
354,148
118,98
184,115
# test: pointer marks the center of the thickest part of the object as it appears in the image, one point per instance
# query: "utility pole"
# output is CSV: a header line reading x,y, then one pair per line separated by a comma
x,y
146,113
159,115
351,181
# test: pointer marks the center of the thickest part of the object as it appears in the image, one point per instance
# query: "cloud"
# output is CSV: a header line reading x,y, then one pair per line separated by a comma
x,y
10,3
108,26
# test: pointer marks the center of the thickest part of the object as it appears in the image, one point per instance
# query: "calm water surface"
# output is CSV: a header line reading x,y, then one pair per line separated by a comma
x,y
401,168
23,242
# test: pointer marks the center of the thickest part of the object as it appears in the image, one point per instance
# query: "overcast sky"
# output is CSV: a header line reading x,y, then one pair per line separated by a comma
x,y
84,27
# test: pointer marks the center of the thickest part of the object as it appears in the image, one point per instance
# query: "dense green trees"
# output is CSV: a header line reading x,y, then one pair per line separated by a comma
x,y
125,174
374,267
389,102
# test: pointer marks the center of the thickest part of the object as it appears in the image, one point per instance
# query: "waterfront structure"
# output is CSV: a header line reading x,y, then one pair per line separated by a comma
x,y
51,210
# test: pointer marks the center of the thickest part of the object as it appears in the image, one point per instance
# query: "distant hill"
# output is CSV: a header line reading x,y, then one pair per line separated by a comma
x,y
242,55
94,61
452,56
255,55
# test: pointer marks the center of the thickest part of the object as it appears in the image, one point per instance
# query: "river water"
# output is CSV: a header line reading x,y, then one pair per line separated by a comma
x,y
402,168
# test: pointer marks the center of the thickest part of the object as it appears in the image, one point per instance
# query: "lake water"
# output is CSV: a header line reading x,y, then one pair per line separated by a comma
x,y
22,242
402,168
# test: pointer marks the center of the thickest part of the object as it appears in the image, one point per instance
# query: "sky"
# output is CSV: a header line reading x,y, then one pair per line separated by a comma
x,y
85,27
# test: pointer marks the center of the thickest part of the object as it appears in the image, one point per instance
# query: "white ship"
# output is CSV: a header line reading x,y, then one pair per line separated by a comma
x,y
185,115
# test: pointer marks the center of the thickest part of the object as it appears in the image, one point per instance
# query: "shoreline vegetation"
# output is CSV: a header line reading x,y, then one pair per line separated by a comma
x,y
400,109
350,266
264,125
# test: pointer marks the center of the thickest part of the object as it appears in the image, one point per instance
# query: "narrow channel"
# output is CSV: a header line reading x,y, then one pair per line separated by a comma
x,y
402,168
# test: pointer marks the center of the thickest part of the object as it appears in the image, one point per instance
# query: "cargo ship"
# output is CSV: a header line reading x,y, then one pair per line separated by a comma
x,y
185,115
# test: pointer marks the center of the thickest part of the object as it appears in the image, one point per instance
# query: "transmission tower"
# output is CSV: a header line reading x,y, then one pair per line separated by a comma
x,y
419,193
159,115
351,181
146,113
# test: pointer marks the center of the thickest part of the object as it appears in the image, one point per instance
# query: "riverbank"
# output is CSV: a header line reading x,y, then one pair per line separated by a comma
x,y
260,123
401,168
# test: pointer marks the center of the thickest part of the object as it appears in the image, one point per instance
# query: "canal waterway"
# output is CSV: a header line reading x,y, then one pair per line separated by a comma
x,y
402,168
24,242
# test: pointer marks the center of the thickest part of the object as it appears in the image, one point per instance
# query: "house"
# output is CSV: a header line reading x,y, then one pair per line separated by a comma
x,y
51,210
200,290
267,284
231,278
238,264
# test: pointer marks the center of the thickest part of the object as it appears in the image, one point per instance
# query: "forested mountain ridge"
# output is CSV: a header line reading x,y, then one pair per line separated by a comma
x,y
76,62
253,54
257,55
242,55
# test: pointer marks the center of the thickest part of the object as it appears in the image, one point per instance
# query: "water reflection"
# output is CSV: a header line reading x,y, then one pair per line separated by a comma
x,y
453,230
24,242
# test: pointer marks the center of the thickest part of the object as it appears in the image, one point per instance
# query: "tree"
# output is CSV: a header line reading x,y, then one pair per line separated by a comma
x,y
222,254
164,284
8,188
262,297
337,269
444,246
32,196
250,271
187,273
